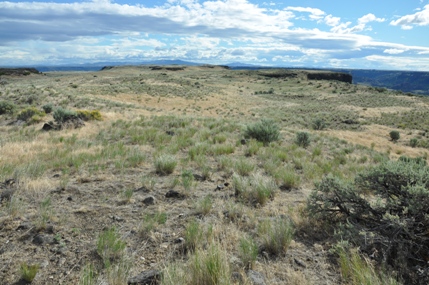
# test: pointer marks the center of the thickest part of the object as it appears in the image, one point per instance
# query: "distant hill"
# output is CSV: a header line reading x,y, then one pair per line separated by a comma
x,y
405,81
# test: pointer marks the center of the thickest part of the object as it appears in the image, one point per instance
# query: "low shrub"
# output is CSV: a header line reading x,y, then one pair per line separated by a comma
x,y
7,107
414,142
302,139
265,131
48,108
318,124
394,135
63,115
31,115
385,210
87,115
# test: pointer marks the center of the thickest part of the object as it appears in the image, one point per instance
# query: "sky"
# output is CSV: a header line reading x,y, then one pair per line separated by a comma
x,y
365,34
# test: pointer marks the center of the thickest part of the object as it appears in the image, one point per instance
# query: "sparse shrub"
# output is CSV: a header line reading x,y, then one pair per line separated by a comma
x,y
7,107
31,115
205,205
63,115
302,139
394,135
392,219
187,178
209,267
243,167
110,246
165,164
265,131
87,115
248,251
48,108
29,272
414,142
193,235
358,270
256,190
87,276
151,222
276,235
318,124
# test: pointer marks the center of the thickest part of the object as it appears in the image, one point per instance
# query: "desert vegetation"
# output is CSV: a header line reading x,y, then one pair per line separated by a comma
x,y
200,175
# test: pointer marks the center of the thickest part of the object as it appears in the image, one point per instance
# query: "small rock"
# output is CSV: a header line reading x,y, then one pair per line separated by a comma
x,y
256,277
149,200
236,277
170,133
69,198
40,239
179,240
148,277
173,194
300,262
219,187
117,218
7,194
243,141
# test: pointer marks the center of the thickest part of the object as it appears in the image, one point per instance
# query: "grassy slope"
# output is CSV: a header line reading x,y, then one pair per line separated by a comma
x,y
73,184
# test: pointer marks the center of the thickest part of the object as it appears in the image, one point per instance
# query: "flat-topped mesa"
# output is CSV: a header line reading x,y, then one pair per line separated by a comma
x,y
338,76
18,71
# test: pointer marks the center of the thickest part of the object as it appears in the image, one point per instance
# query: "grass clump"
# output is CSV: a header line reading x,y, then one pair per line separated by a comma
x,y
265,131
151,222
165,164
110,246
28,271
248,252
48,108
358,270
243,167
193,235
256,189
276,235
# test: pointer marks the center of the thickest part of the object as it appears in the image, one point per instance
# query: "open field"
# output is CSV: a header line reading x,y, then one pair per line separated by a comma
x,y
170,178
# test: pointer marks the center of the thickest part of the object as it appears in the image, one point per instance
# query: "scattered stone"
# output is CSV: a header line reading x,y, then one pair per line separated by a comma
x,y
56,175
300,262
256,277
149,200
236,277
173,194
179,240
24,226
243,141
170,133
117,218
69,198
199,177
40,239
6,194
49,127
219,187
143,189
148,277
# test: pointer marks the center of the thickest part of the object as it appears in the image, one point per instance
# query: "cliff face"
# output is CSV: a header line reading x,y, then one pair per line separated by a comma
x,y
344,77
18,71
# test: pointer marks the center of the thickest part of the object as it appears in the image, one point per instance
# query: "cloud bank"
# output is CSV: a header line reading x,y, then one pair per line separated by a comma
x,y
218,31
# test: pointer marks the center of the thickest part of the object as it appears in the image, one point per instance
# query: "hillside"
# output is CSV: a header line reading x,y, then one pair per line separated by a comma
x,y
161,170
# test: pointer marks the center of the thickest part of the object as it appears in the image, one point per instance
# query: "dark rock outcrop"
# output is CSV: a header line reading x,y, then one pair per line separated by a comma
x,y
343,77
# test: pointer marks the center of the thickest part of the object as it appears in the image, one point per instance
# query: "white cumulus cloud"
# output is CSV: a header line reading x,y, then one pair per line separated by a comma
x,y
420,18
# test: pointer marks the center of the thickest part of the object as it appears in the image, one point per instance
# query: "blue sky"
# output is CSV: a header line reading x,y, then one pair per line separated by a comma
x,y
391,34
